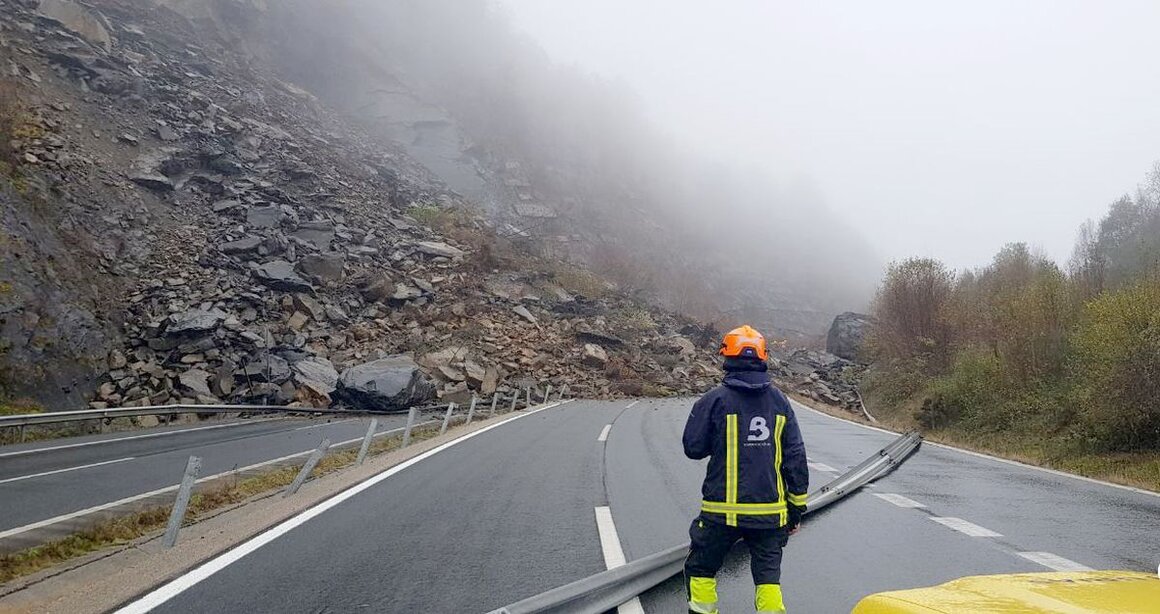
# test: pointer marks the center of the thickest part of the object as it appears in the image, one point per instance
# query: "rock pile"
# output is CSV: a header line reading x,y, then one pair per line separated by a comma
x,y
821,376
280,264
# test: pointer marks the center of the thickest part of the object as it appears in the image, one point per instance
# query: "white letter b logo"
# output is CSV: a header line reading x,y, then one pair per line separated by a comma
x,y
758,429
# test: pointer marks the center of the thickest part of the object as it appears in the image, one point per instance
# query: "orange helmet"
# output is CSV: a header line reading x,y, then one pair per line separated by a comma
x,y
744,341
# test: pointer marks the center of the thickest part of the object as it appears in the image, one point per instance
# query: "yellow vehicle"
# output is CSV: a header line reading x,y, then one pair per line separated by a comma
x,y
1111,592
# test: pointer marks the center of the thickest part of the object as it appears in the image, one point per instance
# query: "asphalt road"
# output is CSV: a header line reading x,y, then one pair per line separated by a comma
x,y
510,513
866,544
47,479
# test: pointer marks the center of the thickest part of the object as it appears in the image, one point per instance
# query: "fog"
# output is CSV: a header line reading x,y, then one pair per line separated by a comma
x,y
930,128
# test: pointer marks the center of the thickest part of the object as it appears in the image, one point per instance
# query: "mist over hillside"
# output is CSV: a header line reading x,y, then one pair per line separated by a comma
x,y
568,160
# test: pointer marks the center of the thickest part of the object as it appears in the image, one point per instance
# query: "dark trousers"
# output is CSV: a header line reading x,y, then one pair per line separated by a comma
x,y
711,542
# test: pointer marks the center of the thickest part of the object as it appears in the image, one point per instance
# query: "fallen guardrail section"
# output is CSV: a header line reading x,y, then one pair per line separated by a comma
x,y
607,590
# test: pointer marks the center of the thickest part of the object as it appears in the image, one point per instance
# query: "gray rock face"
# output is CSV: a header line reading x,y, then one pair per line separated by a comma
x,y
594,355
847,334
77,19
439,248
154,181
194,321
323,267
264,217
523,312
280,275
196,381
394,383
267,368
318,374
318,234
241,246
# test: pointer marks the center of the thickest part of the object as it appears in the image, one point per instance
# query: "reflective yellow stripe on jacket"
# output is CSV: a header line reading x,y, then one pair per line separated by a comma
x,y
779,425
731,445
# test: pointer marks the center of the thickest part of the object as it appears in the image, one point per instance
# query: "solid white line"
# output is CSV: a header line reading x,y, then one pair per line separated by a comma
x,y
105,506
184,582
44,473
629,406
899,500
604,433
1053,561
146,436
967,528
613,553
822,467
1005,461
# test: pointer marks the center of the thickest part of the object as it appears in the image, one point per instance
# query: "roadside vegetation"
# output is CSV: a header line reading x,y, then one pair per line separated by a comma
x,y
1023,358
203,505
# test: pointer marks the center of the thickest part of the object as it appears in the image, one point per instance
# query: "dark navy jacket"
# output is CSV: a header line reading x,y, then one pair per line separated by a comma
x,y
757,461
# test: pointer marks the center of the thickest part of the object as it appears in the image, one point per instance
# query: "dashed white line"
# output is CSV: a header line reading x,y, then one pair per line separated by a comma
x,y
614,554
629,406
146,436
186,581
822,467
1053,561
967,528
65,470
898,500
604,433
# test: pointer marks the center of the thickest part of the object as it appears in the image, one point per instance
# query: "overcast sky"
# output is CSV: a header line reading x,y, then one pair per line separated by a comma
x,y
935,128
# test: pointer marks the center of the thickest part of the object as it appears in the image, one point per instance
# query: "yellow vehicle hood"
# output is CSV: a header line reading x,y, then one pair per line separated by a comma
x,y
1112,592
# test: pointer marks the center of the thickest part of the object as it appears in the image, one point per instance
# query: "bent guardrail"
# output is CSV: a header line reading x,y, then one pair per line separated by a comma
x,y
606,590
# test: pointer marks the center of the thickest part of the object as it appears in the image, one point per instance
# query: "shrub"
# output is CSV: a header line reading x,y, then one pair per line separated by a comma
x,y
1116,367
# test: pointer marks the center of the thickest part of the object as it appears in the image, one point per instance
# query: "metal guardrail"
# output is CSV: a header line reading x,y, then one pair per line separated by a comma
x,y
57,417
605,591
38,533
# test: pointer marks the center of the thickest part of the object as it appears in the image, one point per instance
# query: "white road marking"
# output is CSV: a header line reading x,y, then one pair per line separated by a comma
x,y
822,467
44,473
105,506
614,554
1005,461
898,500
967,528
1053,561
146,436
187,580
604,433
629,406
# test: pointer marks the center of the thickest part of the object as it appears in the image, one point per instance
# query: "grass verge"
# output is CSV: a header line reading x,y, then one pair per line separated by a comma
x,y
1137,469
123,530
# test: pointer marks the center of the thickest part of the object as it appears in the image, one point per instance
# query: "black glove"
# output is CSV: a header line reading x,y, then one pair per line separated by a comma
x,y
795,515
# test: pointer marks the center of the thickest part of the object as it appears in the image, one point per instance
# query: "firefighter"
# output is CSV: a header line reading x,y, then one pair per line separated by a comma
x,y
756,481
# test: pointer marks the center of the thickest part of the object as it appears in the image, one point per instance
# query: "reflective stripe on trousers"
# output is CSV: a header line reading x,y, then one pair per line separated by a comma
x,y
768,599
703,595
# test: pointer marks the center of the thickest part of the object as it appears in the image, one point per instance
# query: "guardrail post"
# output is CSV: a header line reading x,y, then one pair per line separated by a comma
x,y
410,423
515,399
529,401
447,418
309,466
471,410
21,433
366,444
563,391
547,393
494,401
184,492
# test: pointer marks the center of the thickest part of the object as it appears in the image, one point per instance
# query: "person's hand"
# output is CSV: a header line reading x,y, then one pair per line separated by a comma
x,y
797,527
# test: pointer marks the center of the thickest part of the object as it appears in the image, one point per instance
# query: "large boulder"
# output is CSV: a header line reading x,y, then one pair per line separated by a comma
x,y
394,383
280,275
847,334
325,267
